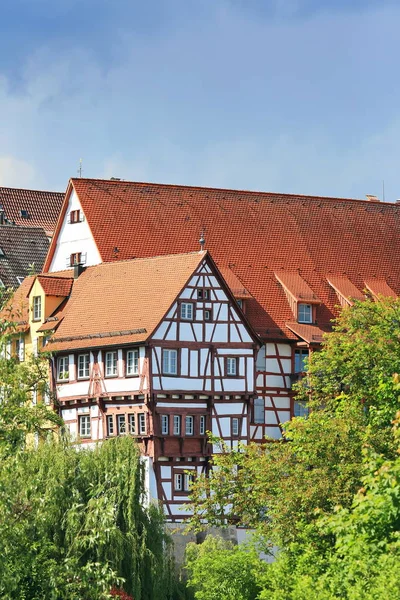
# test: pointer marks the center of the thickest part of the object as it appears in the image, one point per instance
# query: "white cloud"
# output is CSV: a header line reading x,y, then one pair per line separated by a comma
x,y
16,173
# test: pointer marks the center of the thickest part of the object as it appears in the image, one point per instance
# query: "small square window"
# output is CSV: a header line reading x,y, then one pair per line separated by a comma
x,y
164,425
304,313
111,364
84,426
231,366
121,424
189,425
132,362
187,311
83,366
170,362
207,314
75,216
110,425
75,259
37,308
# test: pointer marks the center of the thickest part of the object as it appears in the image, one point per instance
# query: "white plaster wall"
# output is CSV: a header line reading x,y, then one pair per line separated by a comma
x,y
74,237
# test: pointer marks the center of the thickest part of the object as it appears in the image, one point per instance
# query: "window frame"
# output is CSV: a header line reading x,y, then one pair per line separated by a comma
x,y
132,421
258,406
303,320
36,308
81,419
202,425
135,361
75,216
106,373
121,424
185,478
301,408
303,354
177,425
75,259
235,360
209,310
183,308
110,421
168,352
20,349
80,377
142,422
236,433
189,431
164,420
65,360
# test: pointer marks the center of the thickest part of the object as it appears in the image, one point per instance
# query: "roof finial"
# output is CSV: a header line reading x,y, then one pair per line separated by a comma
x,y
80,168
202,240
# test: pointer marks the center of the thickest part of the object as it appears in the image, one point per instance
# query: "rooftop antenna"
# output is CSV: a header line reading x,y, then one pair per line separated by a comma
x,y
383,190
80,168
202,240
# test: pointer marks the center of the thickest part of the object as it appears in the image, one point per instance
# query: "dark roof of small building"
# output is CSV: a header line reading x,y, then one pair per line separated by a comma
x,y
31,208
22,250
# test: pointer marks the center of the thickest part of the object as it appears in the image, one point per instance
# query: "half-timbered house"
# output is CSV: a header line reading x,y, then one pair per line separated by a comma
x,y
160,349
291,261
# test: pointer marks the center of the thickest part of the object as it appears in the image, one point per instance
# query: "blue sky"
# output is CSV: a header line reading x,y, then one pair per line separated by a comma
x,y
295,96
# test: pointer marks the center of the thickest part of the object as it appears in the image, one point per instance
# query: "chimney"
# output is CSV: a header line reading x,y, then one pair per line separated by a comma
x,y
372,198
398,201
2,215
78,270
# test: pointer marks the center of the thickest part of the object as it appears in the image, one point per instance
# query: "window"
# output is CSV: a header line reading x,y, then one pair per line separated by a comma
x,y
300,409
110,425
75,259
261,359
300,358
183,481
239,302
132,424
20,280
170,362
189,425
63,368
74,216
187,311
235,427
132,362
20,349
84,426
203,294
142,424
164,425
259,410
177,425
304,313
231,366
37,308
83,366
207,314
121,424
202,427
111,364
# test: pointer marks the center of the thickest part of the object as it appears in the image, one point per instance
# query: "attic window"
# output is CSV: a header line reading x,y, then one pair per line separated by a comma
x,y
20,280
75,259
304,314
75,216
24,213
1,251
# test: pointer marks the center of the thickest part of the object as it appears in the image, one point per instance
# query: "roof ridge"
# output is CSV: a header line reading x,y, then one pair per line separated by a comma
x,y
218,189
3,187
156,256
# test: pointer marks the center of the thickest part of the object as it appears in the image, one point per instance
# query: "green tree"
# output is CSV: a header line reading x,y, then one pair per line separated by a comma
x,y
74,525
220,571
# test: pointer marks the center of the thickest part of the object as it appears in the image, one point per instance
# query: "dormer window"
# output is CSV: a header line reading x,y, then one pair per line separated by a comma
x,y
304,313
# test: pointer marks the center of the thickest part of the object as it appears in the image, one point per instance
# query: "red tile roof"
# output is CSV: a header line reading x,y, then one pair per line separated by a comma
x,y
297,287
254,234
32,208
345,288
56,286
122,302
312,334
17,308
379,287
234,283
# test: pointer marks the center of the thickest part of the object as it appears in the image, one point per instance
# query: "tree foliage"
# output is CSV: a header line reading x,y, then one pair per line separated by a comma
x,y
74,525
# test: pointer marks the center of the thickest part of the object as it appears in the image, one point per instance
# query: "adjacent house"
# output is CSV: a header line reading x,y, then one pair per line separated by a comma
x,y
290,261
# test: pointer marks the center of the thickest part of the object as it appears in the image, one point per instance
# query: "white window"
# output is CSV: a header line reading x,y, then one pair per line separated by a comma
x,y
37,308
235,427
170,362
110,425
164,424
20,349
300,358
83,366
231,365
304,313
84,426
132,362
207,315
187,481
187,311
111,364
202,428
189,425
132,424
178,482
177,425
300,409
63,368
121,424
142,424
259,410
